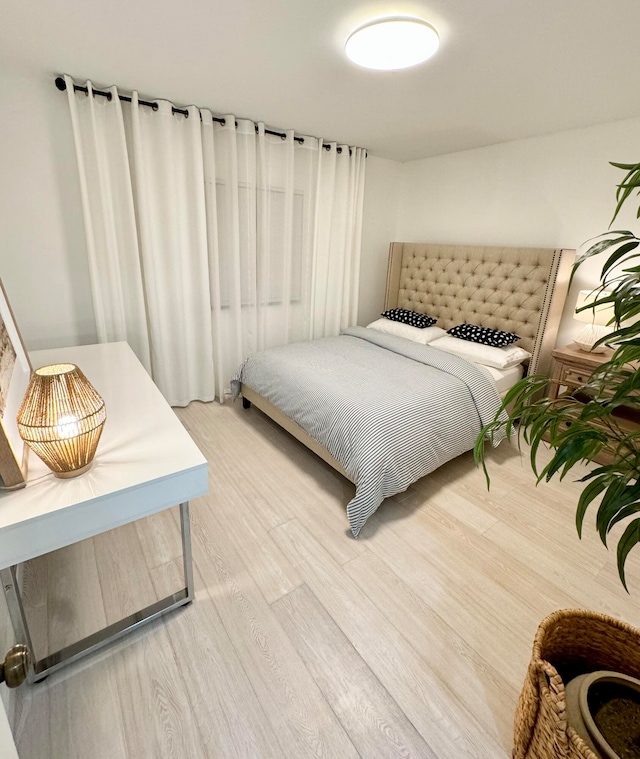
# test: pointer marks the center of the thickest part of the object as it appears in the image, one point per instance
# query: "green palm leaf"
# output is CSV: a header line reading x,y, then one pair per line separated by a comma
x,y
630,538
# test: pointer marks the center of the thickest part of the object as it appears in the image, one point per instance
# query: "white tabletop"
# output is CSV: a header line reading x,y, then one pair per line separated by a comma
x,y
146,461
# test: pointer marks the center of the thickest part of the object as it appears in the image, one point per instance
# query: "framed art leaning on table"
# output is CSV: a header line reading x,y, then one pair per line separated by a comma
x,y
15,372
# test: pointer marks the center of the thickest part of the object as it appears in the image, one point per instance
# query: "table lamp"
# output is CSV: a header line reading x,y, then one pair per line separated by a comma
x,y
596,320
61,419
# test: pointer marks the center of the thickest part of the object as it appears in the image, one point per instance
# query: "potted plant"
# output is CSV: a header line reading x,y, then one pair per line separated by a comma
x,y
582,424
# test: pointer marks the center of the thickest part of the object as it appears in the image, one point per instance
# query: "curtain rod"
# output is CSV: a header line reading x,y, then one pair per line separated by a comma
x,y
62,86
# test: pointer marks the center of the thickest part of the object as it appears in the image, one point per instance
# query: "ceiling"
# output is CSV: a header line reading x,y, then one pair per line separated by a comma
x,y
506,69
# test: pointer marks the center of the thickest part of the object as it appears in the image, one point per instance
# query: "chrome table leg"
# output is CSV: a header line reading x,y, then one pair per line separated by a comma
x,y
53,662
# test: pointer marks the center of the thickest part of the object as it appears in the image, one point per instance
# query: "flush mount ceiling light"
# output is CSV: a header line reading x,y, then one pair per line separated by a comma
x,y
389,44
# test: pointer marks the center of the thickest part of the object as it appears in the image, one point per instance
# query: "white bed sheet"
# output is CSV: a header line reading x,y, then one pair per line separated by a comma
x,y
505,379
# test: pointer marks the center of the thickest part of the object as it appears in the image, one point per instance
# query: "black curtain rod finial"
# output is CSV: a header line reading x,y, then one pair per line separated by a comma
x,y
61,84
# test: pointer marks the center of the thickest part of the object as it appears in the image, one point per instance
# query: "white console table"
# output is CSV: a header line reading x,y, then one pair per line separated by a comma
x,y
146,462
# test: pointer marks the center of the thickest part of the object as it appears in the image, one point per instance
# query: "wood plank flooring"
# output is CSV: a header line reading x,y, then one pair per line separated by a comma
x,y
411,641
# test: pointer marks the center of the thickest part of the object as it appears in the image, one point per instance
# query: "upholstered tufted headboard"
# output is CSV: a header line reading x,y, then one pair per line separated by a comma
x,y
519,290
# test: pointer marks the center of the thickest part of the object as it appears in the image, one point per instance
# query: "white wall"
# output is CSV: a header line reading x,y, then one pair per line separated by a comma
x,y
381,198
552,191
43,262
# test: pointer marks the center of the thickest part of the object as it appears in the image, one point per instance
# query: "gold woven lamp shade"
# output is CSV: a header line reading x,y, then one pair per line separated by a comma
x,y
61,418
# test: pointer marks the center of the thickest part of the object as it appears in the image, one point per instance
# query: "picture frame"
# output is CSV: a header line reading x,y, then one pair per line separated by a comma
x,y
15,373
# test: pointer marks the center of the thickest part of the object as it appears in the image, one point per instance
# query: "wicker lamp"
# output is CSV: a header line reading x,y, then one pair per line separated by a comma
x,y
61,418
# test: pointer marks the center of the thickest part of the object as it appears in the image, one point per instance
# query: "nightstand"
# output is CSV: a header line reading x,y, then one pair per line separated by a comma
x,y
572,367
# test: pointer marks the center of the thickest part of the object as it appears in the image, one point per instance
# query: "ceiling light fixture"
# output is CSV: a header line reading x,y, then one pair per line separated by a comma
x,y
389,44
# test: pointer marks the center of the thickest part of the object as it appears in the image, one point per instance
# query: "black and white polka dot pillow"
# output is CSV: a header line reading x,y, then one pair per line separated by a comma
x,y
413,318
484,335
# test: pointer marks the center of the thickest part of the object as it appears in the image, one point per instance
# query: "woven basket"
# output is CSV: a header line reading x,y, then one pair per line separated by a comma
x,y
568,643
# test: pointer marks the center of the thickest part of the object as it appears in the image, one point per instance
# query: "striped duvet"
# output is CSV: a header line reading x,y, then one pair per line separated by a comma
x,y
389,410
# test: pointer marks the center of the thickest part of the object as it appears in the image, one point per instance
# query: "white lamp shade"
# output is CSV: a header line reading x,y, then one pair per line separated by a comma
x,y
595,320
601,315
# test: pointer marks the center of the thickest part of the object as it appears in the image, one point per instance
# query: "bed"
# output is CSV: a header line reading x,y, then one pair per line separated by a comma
x,y
383,411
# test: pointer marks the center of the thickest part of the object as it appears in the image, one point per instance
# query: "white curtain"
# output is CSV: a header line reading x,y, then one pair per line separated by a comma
x,y
338,233
109,219
172,227
210,239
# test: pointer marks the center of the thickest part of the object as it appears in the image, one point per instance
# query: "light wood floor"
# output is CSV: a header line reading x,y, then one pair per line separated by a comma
x,y
410,642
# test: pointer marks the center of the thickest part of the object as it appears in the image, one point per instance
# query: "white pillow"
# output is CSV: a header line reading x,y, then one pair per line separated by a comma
x,y
418,335
499,358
